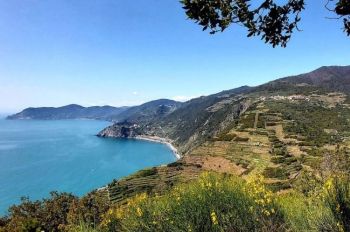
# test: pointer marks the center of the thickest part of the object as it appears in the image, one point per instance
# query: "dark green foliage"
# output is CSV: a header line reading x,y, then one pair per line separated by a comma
x,y
147,112
315,151
241,139
275,23
290,160
3,221
275,172
261,124
271,124
147,172
58,213
311,161
338,200
282,151
343,9
175,164
278,159
347,100
347,26
242,162
48,215
227,137
247,120
89,209
261,132
310,120
278,186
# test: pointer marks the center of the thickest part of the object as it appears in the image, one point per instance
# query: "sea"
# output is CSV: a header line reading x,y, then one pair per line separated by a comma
x,y
37,157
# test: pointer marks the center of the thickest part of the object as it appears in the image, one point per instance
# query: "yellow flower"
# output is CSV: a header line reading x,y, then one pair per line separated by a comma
x,y
328,185
266,212
189,228
214,218
340,227
139,211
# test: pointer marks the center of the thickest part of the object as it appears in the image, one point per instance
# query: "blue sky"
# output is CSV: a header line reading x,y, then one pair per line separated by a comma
x,y
97,52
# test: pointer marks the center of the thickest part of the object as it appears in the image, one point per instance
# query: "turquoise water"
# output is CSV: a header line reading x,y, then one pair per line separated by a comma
x,y
37,157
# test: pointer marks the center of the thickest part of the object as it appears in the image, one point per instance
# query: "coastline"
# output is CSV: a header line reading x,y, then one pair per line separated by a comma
x,y
157,139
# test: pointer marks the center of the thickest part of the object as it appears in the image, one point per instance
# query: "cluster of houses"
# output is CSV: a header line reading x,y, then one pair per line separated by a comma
x,y
291,98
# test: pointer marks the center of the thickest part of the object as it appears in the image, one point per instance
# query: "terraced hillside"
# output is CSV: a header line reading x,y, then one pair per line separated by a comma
x,y
280,130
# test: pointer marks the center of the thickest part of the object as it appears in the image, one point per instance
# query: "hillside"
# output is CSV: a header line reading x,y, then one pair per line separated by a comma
x,y
149,111
281,129
67,112
153,110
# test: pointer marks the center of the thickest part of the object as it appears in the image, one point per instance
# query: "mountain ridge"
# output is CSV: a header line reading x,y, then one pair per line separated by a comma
x,y
207,116
74,111
71,111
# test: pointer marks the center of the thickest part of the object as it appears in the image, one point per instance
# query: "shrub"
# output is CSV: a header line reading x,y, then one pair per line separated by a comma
x,y
241,139
227,137
212,203
337,199
87,211
275,172
46,215
306,214
278,159
60,212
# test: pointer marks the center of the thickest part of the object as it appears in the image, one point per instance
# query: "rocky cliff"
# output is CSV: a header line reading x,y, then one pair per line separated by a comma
x,y
120,130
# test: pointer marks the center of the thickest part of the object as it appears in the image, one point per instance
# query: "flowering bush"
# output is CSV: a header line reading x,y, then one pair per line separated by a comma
x,y
212,203
337,198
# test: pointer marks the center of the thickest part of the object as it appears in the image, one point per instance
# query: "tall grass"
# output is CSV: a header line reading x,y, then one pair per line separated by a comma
x,y
82,227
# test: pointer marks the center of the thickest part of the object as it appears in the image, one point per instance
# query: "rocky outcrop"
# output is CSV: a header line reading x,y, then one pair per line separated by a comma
x,y
120,131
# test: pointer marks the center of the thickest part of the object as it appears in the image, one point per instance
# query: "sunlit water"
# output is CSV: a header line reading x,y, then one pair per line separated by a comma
x,y
37,157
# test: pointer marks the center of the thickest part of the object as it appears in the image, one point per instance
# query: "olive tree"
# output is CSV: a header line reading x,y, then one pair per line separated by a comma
x,y
273,20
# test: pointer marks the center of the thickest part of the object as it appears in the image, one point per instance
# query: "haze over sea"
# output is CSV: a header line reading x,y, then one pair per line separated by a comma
x,y
37,157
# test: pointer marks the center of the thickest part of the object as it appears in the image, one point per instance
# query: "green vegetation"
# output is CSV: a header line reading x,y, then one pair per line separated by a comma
x,y
247,121
310,120
224,203
213,202
226,137
274,21
60,212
